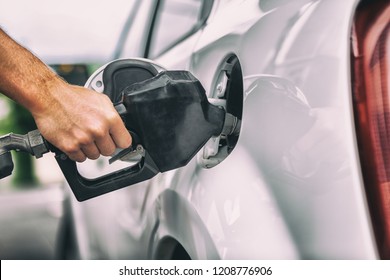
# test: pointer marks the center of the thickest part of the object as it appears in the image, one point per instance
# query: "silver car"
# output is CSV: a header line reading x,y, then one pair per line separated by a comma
x,y
308,175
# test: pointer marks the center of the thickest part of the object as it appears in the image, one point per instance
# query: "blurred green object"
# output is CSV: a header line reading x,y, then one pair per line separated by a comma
x,y
22,122
16,119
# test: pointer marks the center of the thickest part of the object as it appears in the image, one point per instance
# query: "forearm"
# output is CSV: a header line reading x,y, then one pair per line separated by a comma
x,y
24,78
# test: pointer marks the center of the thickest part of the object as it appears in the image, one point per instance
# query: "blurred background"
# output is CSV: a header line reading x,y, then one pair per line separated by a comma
x,y
75,38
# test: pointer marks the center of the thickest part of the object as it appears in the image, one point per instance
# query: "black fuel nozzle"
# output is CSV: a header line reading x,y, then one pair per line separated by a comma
x,y
172,116
32,143
167,113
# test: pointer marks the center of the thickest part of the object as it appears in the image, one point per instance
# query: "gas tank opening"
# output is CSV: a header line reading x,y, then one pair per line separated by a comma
x,y
226,91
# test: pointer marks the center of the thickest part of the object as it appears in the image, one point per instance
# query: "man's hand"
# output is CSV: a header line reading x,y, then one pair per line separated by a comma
x,y
81,123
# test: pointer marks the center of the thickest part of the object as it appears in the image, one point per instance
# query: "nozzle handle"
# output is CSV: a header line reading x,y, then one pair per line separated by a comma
x,y
84,188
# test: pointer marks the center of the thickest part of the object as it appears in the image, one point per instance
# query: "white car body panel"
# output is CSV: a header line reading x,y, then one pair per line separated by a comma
x,y
292,186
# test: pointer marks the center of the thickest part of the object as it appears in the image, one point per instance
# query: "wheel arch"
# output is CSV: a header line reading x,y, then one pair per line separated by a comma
x,y
179,230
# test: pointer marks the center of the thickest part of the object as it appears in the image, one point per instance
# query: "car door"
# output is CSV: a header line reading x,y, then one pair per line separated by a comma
x,y
238,200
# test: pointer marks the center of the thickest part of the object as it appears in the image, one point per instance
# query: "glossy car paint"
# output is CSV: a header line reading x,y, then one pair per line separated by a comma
x,y
292,186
